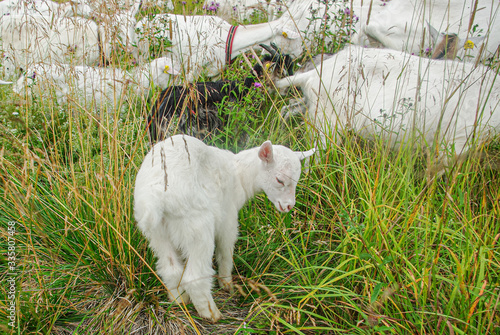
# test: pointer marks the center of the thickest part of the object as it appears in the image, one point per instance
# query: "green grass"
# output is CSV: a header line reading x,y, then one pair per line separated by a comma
x,y
370,248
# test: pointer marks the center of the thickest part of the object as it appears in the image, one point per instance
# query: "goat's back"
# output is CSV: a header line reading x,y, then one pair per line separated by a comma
x,y
187,175
384,92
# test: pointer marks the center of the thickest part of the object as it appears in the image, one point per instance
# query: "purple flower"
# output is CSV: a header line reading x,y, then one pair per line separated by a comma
x,y
235,8
257,85
347,11
33,75
213,7
184,2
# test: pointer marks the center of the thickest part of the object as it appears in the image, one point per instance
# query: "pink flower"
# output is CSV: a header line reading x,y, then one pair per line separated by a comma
x,y
257,85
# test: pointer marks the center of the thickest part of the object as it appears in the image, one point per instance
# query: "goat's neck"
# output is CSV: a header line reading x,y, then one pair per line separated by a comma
x,y
247,167
251,35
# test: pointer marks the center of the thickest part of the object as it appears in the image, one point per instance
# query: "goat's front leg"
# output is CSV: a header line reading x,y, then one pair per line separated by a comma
x,y
225,240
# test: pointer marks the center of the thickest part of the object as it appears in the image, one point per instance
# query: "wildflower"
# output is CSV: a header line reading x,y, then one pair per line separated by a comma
x,y
33,75
257,85
166,69
347,11
183,2
285,35
213,6
469,45
72,48
15,113
234,8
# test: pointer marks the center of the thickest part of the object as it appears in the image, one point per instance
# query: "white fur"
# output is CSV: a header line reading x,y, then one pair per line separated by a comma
x,y
116,23
370,91
7,67
33,38
36,7
199,42
241,10
36,38
186,202
402,25
94,86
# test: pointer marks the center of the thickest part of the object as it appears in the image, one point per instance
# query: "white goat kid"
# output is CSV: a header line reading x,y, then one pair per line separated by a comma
x,y
199,42
96,87
397,96
187,198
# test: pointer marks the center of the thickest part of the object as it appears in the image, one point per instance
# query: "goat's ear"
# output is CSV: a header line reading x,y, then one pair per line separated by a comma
x,y
266,152
135,8
434,33
304,154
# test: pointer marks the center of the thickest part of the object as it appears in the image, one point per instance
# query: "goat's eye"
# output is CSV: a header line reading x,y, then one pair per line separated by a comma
x,y
280,181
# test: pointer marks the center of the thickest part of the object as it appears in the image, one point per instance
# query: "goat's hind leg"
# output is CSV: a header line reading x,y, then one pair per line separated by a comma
x,y
198,275
171,270
169,265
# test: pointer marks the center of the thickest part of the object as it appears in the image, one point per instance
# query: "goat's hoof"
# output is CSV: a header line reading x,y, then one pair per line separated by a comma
x,y
211,313
179,299
226,285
